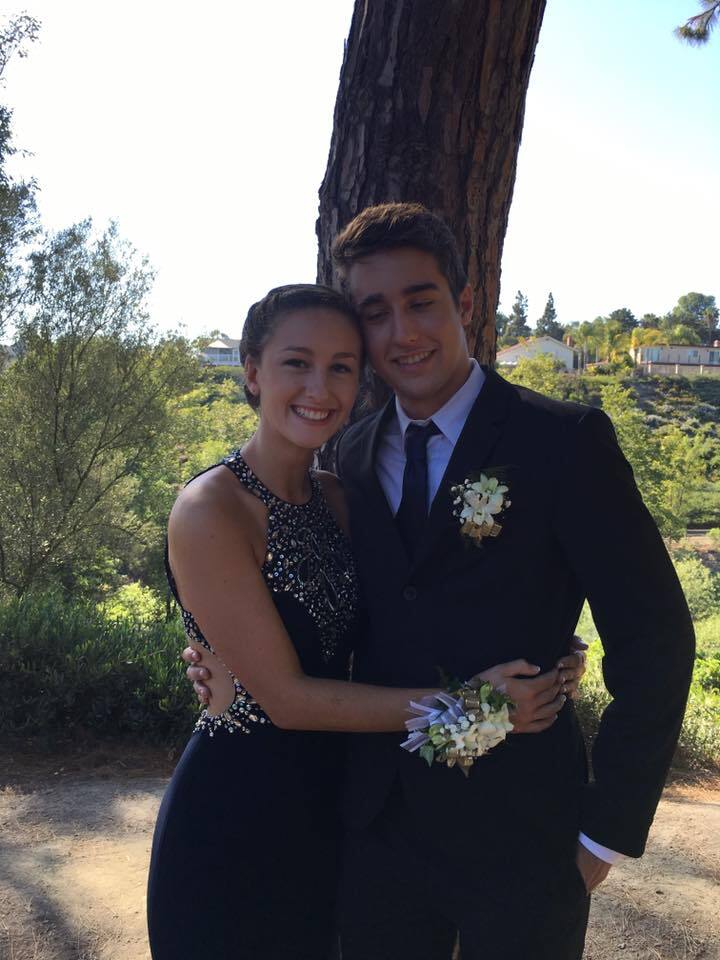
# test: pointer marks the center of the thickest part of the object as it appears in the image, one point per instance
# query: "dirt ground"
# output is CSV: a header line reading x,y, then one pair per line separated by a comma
x,y
75,838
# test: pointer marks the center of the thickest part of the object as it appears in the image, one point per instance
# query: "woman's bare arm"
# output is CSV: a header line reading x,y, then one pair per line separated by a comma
x,y
216,569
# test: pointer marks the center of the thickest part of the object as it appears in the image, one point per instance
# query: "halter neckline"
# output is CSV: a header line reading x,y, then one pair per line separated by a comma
x,y
240,467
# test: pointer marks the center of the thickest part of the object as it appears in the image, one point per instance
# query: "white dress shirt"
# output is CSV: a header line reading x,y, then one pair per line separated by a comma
x,y
390,466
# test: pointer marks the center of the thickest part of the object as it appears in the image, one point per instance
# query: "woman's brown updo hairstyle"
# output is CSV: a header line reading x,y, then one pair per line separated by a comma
x,y
263,317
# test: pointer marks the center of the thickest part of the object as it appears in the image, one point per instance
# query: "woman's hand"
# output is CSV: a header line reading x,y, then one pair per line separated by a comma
x,y
538,697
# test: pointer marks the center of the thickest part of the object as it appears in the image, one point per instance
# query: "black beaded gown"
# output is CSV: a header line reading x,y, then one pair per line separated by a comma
x,y
244,858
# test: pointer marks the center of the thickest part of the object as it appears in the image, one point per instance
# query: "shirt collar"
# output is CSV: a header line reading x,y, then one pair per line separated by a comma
x,y
450,418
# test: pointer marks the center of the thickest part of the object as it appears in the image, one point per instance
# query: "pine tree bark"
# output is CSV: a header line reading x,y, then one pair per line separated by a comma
x,y
430,108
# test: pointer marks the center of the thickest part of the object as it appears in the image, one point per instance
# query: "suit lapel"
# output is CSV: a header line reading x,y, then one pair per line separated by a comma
x,y
473,451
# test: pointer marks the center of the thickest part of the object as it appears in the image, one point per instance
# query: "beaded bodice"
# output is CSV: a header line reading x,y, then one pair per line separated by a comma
x,y
310,572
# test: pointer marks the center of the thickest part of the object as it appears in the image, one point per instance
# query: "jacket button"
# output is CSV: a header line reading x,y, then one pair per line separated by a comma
x,y
410,593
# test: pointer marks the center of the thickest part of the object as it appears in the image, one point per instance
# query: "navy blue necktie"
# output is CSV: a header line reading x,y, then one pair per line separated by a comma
x,y
413,510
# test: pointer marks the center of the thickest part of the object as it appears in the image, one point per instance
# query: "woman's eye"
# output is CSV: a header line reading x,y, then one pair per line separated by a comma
x,y
342,368
295,362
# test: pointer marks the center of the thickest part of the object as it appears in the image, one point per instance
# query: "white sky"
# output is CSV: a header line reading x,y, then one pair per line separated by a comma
x,y
204,130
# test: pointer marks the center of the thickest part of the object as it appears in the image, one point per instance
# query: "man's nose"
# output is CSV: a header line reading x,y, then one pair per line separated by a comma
x,y
404,327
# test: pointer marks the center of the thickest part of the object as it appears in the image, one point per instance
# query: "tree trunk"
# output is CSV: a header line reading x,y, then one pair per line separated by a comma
x,y
430,108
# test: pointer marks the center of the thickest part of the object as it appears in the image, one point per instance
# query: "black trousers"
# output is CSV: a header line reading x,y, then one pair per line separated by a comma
x,y
508,895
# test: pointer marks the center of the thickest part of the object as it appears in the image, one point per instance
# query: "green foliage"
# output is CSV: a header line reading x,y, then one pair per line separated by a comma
x,y
700,585
83,408
134,604
542,373
666,465
697,29
699,744
624,317
668,427
67,666
17,197
547,325
698,311
208,421
517,325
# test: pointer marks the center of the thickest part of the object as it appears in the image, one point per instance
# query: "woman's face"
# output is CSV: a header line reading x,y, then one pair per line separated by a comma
x,y
307,377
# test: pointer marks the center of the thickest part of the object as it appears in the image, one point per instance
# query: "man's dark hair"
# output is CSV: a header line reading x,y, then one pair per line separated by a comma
x,y
389,226
264,317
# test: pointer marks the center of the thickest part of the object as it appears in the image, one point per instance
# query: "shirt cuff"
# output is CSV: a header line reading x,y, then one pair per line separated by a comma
x,y
603,853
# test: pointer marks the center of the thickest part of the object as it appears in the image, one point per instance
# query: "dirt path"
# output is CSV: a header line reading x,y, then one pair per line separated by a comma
x,y
75,846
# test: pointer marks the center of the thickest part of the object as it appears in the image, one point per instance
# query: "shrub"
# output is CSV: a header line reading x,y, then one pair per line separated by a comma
x,y
700,586
699,744
68,666
134,603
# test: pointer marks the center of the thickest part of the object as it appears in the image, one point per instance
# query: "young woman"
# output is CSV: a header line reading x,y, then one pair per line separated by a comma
x,y
245,850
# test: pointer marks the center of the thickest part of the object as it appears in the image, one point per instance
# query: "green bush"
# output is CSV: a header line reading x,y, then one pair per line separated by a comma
x,y
69,666
699,744
700,586
134,603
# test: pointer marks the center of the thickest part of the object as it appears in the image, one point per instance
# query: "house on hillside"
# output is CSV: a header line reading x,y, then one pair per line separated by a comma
x,y
687,361
533,346
223,352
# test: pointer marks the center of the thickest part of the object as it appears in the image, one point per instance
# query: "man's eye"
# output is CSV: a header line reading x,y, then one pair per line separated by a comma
x,y
374,317
421,304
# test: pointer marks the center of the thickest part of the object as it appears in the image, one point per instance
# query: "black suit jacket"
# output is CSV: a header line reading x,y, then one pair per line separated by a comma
x,y
576,528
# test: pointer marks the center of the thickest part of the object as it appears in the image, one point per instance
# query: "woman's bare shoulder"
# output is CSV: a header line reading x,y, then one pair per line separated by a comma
x,y
215,498
332,488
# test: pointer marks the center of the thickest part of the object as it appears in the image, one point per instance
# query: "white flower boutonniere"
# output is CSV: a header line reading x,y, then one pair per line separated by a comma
x,y
477,505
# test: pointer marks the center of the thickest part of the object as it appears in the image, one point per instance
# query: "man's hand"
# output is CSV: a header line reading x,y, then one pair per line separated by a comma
x,y
572,667
592,869
197,674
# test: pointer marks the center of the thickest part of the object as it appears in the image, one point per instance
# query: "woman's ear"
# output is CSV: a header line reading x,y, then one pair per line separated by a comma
x,y
251,371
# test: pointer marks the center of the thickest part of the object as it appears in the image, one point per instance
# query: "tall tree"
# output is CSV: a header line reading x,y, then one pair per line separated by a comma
x,y
625,317
517,326
697,29
547,325
695,310
17,197
82,408
501,322
430,108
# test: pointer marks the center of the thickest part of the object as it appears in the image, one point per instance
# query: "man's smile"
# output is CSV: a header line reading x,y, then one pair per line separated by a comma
x,y
413,359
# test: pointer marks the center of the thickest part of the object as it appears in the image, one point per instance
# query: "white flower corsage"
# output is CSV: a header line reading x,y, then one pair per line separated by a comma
x,y
477,504
459,728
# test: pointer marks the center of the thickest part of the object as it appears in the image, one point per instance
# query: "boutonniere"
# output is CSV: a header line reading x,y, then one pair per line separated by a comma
x,y
477,504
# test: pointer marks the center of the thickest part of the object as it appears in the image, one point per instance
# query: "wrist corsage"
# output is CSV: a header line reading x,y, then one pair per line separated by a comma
x,y
457,727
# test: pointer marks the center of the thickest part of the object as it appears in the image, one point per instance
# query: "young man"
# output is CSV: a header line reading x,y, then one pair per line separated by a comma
x,y
506,857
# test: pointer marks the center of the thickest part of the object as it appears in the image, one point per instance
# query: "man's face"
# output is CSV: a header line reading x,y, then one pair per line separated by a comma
x,y
414,330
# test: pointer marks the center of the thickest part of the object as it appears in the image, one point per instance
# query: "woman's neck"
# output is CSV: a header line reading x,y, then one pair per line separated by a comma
x,y
282,466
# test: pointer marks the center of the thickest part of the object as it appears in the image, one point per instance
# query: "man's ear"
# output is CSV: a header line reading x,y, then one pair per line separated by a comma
x,y
465,302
